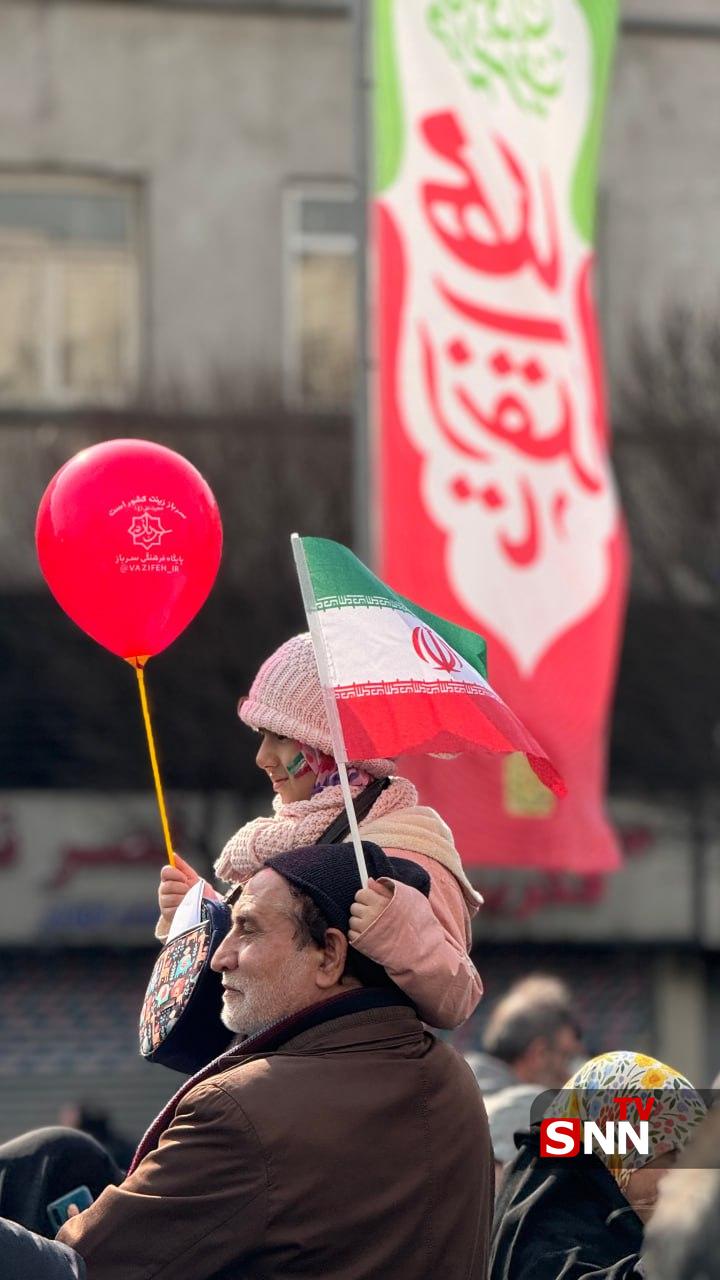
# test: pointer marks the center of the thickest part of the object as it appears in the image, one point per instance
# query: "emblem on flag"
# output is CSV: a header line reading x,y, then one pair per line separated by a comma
x,y
430,648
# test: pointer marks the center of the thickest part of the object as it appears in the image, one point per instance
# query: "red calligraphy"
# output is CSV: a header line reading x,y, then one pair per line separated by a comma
x,y
504,253
468,224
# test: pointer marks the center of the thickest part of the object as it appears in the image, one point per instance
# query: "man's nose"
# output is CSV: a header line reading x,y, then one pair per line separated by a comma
x,y
223,957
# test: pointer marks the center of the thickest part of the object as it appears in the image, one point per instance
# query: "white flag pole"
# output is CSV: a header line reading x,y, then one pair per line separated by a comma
x,y
336,733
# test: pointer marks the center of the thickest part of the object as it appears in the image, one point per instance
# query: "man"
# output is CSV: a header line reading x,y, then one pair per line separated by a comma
x,y
531,1043
532,1037
337,1138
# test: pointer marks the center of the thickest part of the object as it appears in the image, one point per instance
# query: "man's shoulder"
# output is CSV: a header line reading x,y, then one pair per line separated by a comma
x,y
452,1071
269,1103
336,1044
343,1047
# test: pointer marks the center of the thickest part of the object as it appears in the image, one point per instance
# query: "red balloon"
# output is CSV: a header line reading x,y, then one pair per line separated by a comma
x,y
129,538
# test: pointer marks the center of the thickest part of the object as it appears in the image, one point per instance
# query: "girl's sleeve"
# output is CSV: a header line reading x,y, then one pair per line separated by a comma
x,y
421,944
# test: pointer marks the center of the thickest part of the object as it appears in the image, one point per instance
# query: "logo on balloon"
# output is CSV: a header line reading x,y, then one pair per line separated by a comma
x,y
434,651
147,531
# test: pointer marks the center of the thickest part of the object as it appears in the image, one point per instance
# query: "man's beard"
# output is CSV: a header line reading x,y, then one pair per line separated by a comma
x,y
261,1003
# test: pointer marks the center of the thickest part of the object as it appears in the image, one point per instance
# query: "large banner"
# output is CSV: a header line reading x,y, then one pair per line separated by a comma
x,y
497,504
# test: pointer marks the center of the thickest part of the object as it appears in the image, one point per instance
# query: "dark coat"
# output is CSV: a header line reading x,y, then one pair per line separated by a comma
x,y
27,1256
354,1146
562,1219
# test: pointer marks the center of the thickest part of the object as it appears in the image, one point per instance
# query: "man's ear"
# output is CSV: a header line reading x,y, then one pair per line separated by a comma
x,y
332,959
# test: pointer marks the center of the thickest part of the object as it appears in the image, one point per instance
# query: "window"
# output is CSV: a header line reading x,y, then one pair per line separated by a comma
x,y
320,296
69,290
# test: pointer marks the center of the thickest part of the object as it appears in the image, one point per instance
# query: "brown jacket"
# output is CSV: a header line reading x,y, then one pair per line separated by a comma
x,y
356,1150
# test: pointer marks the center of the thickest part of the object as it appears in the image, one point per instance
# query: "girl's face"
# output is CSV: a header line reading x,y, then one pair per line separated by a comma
x,y
277,757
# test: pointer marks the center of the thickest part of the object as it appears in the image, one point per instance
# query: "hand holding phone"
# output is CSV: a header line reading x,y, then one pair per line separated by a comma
x,y
57,1210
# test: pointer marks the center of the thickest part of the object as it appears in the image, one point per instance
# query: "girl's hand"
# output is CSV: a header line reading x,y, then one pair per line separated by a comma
x,y
174,884
369,903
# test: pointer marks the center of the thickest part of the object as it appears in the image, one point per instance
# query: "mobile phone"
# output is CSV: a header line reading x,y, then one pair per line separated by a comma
x,y
58,1209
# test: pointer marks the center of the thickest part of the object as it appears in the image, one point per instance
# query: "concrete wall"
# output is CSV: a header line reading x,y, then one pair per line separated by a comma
x,y
216,111
660,184
213,112
680,14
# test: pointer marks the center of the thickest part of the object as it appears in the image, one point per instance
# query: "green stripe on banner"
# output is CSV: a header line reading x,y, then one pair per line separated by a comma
x,y
340,580
602,24
389,123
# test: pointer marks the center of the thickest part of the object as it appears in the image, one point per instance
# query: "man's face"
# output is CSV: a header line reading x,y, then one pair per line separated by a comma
x,y
267,974
562,1052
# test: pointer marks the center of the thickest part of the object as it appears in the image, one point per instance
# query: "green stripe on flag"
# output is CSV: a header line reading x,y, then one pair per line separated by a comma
x,y
339,580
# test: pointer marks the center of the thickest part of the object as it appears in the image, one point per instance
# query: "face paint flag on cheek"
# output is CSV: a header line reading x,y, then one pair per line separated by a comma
x,y
298,766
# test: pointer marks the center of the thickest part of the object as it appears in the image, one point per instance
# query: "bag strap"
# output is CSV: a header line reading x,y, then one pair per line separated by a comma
x,y
362,805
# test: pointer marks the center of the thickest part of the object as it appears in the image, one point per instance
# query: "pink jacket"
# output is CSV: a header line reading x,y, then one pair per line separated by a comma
x,y
422,944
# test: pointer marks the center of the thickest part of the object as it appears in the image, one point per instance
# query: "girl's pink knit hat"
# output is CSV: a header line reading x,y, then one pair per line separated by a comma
x,y
286,698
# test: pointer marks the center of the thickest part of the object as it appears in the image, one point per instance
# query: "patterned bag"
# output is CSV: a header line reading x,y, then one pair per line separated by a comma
x,y
180,1024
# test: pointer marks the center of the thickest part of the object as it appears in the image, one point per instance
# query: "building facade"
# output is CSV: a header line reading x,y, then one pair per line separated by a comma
x,y
178,234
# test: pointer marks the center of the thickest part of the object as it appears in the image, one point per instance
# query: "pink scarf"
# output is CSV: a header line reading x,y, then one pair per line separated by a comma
x,y
300,823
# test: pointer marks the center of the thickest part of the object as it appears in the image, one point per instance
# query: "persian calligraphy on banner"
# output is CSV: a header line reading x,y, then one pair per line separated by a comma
x,y
493,435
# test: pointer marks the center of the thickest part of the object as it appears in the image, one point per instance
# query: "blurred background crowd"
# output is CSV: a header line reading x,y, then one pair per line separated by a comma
x,y
179,261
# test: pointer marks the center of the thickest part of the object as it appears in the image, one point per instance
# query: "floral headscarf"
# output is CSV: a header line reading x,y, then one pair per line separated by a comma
x,y
326,771
590,1095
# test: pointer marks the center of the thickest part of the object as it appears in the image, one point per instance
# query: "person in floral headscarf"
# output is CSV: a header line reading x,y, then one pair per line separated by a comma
x,y
582,1217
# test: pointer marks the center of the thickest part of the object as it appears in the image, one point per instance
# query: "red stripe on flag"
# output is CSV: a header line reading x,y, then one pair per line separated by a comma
x,y
392,724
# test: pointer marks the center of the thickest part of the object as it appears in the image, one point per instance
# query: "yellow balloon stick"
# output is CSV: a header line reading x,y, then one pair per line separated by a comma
x,y
139,665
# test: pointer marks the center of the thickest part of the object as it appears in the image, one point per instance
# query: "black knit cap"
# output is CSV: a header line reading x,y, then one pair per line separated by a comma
x,y
328,873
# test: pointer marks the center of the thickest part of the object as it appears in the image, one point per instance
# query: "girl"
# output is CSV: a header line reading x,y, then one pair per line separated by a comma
x,y
422,943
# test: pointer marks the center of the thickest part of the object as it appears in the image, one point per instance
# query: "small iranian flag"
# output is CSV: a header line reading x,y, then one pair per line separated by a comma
x,y
398,679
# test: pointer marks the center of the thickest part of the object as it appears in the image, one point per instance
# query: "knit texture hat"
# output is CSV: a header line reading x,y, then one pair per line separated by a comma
x,y
328,873
286,697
